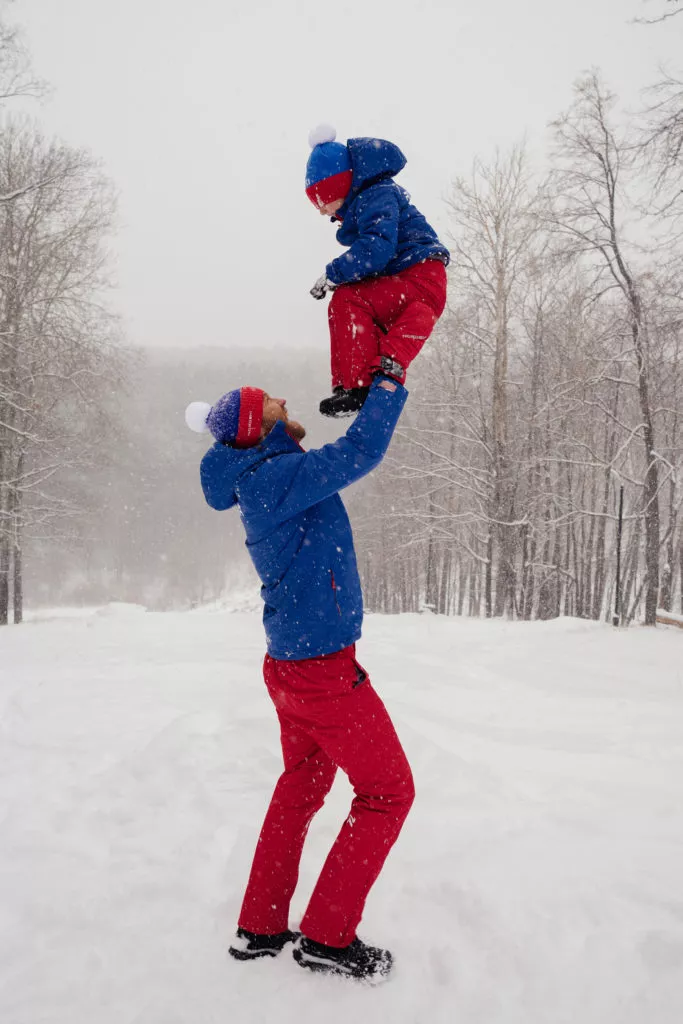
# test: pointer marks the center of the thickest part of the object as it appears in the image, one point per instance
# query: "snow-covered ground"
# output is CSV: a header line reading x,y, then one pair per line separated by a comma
x,y
539,877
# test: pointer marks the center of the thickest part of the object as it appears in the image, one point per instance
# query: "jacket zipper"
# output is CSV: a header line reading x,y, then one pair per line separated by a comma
x,y
334,590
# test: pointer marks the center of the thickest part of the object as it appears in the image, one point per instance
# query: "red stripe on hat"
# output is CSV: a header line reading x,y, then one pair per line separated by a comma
x,y
250,418
328,190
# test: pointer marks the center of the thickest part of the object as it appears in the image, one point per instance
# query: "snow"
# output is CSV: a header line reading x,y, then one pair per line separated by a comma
x,y
537,880
670,618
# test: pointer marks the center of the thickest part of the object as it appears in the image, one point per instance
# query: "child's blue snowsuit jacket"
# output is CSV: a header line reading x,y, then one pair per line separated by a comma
x,y
298,533
385,231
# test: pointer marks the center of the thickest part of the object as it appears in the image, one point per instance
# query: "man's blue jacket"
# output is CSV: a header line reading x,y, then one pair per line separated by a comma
x,y
385,232
298,533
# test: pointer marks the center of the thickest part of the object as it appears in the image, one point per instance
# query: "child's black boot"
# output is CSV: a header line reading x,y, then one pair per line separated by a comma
x,y
344,401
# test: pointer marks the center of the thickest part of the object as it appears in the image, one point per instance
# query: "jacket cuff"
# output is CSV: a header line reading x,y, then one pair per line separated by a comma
x,y
332,274
382,382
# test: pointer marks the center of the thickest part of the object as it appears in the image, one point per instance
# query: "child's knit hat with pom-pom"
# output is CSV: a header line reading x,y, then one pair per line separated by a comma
x,y
328,171
235,419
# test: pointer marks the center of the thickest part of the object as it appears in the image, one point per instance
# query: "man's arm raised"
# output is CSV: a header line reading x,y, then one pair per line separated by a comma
x,y
288,484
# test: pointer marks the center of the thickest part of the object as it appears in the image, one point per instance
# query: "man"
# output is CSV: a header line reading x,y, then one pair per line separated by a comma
x,y
300,541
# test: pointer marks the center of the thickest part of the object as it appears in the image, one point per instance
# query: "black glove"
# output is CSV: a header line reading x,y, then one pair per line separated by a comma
x,y
321,287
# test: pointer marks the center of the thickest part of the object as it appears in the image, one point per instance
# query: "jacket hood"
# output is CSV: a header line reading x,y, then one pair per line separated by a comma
x,y
372,160
223,466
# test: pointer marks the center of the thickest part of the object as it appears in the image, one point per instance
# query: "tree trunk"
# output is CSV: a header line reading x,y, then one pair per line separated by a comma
x,y
488,586
4,577
17,559
18,579
600,554
651,487
462,585
631,564
668,569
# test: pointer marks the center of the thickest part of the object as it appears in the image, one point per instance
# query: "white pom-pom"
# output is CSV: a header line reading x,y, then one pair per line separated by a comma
x,y
196,416
323,133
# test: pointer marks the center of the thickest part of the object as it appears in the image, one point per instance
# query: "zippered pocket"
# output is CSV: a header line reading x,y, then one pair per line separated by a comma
x,y
361,674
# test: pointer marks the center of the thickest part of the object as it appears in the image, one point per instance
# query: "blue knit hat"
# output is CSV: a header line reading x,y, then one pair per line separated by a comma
x,y
328,171
235,419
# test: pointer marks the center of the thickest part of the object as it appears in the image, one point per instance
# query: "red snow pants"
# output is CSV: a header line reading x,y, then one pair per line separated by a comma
x,y
383,316
330,717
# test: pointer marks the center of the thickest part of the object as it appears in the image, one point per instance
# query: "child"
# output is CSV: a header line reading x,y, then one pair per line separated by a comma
x,y
390,287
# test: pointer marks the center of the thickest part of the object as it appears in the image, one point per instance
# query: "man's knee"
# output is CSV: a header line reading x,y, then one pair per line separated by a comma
x,y
407,797
402,791
307,784
410,789
393,796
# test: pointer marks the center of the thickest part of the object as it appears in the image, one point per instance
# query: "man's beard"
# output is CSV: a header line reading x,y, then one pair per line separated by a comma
x,y
295,430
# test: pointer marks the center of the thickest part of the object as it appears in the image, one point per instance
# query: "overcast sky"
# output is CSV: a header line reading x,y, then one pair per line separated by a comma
x,y
200,112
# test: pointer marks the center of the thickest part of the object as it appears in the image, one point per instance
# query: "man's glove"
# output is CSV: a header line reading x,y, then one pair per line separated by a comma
x,y
321,287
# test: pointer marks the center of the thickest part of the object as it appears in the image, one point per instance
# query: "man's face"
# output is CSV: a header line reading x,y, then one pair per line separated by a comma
x,y
275,409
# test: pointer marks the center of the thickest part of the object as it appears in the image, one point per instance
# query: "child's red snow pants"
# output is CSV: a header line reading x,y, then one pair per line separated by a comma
x,y
330,717
383,316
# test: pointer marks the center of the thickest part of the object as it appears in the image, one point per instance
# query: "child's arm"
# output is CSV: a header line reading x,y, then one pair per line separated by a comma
x,y
377,220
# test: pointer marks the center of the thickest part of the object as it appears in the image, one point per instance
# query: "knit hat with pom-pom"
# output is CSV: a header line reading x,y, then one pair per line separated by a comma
x,y
235,419
328,171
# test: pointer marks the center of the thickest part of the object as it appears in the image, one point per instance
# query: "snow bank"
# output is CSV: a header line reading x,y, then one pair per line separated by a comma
x,y
669,618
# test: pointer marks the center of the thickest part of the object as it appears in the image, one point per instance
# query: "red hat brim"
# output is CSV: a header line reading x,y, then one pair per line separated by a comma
x,y
251,417
328,190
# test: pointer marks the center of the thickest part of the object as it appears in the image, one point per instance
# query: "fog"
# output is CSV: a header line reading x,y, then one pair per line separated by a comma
x,y
200,113
199,116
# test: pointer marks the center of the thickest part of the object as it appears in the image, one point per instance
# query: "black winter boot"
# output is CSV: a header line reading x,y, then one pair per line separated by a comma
x,y
353,961
344,401
249,945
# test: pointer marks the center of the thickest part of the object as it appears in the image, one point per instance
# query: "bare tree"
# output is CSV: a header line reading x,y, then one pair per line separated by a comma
x,y
16,75
56,337
667,9
495,223
534,388
588,207
660,143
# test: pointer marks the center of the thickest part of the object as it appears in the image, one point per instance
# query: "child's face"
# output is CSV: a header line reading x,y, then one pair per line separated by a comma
x,y
329,209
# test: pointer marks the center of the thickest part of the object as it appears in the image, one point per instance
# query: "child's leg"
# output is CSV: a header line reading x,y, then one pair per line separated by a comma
x,y
407,336
383,316
408,309
354,335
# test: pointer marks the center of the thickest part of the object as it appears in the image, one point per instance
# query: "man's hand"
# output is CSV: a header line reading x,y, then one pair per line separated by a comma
x,y
321,287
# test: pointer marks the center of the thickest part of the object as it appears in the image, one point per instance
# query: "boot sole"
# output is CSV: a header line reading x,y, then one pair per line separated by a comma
x,y
241,954
323,966
340,415
255,954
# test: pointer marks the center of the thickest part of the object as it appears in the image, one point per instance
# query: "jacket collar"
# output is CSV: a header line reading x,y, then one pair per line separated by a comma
x,y
278,442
